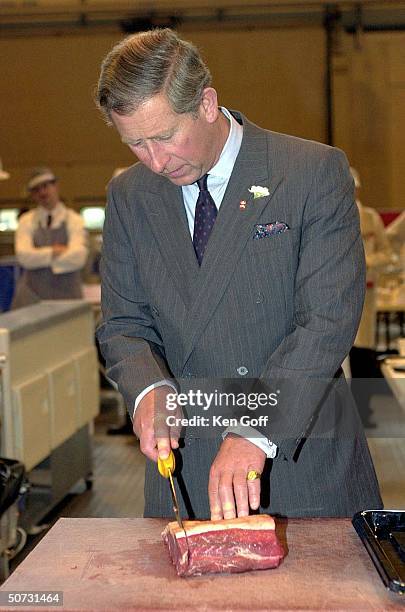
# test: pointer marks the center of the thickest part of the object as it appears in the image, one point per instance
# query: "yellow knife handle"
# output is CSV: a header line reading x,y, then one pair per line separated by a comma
x,y
164,465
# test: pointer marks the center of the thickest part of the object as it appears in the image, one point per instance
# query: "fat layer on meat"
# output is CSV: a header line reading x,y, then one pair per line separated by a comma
x,y
235,545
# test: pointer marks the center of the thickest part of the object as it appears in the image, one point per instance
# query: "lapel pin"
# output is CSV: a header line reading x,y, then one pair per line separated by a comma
x,y
242,204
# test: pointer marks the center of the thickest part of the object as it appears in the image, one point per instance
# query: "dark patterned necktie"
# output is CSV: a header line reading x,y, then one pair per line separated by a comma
x,y
205,215
49,221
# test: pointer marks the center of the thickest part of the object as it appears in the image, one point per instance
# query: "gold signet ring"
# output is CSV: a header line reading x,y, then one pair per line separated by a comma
x,y
253,475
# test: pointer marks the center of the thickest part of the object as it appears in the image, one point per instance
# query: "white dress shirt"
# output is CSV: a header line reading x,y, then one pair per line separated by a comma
x,y
219,175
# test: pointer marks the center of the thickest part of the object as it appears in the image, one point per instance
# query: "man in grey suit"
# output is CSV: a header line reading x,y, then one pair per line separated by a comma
x,y
230,253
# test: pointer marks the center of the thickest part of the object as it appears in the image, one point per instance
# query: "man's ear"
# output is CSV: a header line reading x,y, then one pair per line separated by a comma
x,y
209,104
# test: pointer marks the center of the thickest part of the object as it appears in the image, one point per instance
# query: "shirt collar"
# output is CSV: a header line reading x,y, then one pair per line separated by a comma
x,y
224,166
58,213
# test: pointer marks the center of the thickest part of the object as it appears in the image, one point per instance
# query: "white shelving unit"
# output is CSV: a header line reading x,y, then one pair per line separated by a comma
x,y
49,397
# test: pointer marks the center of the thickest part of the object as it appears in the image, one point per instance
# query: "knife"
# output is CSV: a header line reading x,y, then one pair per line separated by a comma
x,y
166,468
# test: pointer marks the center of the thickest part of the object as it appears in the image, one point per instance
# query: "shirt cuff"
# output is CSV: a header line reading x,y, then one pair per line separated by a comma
x,y
161,383
256,438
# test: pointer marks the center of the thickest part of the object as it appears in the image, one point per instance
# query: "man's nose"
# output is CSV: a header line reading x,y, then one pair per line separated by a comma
x,y
158,157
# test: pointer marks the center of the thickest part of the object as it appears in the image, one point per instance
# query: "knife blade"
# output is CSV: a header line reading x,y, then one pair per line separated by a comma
x,y
166,468
175,502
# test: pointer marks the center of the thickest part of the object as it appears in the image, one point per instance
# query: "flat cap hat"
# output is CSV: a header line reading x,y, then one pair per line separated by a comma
x,y
39,176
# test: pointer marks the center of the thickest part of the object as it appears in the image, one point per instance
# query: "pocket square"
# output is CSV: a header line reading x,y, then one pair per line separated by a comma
x,y
264,230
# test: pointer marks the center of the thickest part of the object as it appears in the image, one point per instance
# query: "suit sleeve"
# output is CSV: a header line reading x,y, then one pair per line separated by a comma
x,y
328,301
128,339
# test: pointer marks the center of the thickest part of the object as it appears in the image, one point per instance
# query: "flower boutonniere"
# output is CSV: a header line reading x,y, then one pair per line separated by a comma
x,y
258,192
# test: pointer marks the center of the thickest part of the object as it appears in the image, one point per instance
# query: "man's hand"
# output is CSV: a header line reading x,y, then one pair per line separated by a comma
x,y
156,437
228,485
58,249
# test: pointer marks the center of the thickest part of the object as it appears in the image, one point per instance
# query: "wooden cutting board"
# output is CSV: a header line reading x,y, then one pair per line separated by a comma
x,y
122,564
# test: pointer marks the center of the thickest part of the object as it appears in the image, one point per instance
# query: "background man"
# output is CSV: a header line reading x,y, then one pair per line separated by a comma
x,y
363,357
396,235
230,251
50,244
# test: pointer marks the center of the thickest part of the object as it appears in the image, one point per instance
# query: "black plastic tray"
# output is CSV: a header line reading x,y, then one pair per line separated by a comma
x,y
383,534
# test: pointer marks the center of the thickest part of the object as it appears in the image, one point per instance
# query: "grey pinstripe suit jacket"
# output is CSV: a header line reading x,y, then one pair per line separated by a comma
x,y
283,307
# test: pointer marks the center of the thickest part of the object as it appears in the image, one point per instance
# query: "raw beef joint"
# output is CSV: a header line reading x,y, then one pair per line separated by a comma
x,y
235,545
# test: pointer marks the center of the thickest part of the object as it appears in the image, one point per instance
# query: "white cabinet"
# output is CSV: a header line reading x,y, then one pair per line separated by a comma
x,y
64,396
87,376
49,394
32,424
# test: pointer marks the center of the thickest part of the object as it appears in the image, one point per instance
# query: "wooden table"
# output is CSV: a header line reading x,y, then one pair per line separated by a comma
x,y
121,564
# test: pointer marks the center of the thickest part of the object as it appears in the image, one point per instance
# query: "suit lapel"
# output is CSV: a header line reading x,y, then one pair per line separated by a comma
x,y
166,214
234,226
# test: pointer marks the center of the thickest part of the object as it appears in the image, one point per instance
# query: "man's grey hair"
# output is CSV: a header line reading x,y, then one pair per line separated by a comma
x,y
146,64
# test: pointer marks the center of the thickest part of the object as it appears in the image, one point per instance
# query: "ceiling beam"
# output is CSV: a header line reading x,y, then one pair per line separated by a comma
x,y
22,14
